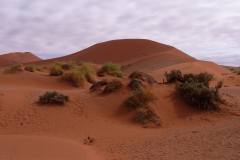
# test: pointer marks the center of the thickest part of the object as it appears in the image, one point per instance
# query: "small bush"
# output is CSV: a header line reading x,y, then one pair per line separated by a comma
x,y
30,68
204,78
238,73
98,85
88,71
173,76
147,115
112,86
56,70
53,97
142,76
41,69
140,98
135,84
112,69
15,68
75,77
90,78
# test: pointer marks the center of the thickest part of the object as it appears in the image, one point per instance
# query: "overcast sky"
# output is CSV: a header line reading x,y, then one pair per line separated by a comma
x,y
204,29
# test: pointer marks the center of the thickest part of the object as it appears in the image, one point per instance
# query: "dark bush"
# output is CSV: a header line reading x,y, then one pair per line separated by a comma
x,y
56,70
112,86
135,84
146,116
98,85
173,76
142,76
198,94
204,78
53,97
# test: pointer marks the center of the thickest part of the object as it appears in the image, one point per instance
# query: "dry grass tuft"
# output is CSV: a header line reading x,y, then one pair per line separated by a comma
x,y
75,77
14,68
113,85
142,76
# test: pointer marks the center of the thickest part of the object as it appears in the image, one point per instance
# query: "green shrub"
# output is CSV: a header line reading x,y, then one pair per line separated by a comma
x,y
112,86
204,78
56,70
198,94
112,69
75,77
53,97
142,76
30,68
88,71
140,98
173,76
15,68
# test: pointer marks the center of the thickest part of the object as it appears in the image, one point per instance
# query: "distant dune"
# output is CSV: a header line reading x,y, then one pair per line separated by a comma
x,y
23,57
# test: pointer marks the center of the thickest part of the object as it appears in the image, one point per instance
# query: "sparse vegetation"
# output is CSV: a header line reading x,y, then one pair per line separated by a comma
x,y
140,98
56,70
53,97
41,69
75,77
238,73
88,71
30,68
98,85
135,84
14,68
146,115
142,76
113,85
68,65
112,69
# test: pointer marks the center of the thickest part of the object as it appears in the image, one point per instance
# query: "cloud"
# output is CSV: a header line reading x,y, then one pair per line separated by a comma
x,y
203,29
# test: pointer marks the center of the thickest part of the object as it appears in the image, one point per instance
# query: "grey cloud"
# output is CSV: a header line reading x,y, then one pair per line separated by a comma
x,y
59,28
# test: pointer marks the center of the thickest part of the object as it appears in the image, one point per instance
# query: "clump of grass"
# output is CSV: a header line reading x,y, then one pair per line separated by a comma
x,y
68,65
75,77
238,73
142,76
41,69
14,68
53,97
30,68
88,71
113,85
140,98
98,85
135,84
56,70
112,69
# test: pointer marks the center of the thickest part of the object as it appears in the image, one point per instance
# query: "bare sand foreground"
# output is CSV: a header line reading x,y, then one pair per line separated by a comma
x,y
29,130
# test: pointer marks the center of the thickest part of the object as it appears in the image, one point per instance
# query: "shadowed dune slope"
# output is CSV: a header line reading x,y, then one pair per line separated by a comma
x,y
23,57
125,51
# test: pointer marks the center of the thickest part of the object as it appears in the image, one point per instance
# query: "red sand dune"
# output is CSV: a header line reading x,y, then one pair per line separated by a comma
x,y
22,57
29,130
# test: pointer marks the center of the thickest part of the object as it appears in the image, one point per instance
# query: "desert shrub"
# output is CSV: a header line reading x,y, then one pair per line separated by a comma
x,y
135,84
15,68
113,85
187,76
204,78
142,76
173,76
75,77
98,85
68,65
140,98
112,69
56,70
53,97
198,94
90,78
238,73
82,63
57,63
146,115
30,68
